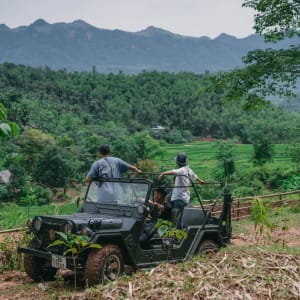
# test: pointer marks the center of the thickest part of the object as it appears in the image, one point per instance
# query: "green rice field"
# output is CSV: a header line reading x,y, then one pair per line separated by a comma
x,y
202,157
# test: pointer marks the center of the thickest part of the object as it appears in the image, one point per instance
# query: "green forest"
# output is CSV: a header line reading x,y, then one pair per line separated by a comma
x,y
64,116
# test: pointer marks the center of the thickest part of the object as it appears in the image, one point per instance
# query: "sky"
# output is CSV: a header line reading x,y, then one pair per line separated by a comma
x,y
186,17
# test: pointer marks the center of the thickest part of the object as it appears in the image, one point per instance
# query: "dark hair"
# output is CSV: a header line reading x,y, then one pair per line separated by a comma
x,y
104,149
162,190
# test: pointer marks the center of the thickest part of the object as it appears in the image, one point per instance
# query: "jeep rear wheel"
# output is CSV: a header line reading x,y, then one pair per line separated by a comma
x,y
208,247
36,267
103,265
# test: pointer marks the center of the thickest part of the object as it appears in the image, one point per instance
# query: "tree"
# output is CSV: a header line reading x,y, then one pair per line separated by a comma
x,y
263,150
145,146
276,19
33,142
6,127
267,72
53,167
225,163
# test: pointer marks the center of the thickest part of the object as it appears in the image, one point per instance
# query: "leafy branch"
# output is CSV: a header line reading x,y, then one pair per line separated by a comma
x,y
262,223
6,127
165,229
75,245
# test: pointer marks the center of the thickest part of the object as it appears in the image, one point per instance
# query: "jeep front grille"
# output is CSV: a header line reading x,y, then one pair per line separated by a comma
x,y
47,233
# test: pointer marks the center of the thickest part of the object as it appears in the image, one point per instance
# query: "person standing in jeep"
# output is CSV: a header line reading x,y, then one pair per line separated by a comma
x,y
183,174
108,166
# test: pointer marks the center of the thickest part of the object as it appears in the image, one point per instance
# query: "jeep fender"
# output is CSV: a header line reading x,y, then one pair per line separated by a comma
x,y
127,244
204,234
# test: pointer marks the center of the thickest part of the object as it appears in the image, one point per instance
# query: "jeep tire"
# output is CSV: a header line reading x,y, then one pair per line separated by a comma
x,y
208,247
103,265
36,267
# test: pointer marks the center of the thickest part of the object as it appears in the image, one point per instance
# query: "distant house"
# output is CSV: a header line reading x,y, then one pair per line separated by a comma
x,y
5,176
157,131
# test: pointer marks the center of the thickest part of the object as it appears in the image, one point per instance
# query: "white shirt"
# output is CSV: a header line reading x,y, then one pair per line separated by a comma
x,y
182,183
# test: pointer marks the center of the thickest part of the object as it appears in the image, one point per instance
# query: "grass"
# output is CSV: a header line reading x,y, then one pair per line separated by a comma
x,y
202,157
12,216
275,216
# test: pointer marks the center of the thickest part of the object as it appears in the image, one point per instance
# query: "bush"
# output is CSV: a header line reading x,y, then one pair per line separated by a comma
x,y
295,208
4,194
290,182
176,136
37,196
43,195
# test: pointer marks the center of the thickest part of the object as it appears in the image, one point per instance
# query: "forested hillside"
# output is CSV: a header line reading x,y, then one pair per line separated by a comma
x,y
64,117
74,104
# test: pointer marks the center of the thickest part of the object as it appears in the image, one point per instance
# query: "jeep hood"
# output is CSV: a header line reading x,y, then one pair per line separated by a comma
x,y
81,220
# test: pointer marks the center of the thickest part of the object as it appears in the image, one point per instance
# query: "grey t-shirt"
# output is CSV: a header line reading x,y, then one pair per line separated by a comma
x,y
111,167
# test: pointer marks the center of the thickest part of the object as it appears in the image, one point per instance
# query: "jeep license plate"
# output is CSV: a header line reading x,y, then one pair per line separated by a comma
x,y
59,262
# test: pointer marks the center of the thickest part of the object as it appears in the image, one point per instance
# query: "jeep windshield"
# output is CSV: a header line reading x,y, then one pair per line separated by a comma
x,y
123,192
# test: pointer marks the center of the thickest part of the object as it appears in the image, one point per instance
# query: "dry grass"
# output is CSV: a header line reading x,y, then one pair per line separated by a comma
x,y
237,273
246,269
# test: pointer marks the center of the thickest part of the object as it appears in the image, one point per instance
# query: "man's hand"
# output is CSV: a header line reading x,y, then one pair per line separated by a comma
x,y
88,179
135,169
161,176
200,181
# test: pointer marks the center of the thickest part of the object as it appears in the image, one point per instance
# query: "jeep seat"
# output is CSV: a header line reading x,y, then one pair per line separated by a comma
x,y
193,216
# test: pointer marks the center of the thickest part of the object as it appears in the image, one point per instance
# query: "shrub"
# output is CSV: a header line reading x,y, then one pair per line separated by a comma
x,y
37,195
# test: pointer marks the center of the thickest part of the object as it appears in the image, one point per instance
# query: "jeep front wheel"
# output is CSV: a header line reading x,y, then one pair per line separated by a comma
x,y
208,247
37,268
103,265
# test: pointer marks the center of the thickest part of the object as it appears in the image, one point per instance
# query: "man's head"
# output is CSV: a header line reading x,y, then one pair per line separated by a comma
x,y
181,159
160,194
104,150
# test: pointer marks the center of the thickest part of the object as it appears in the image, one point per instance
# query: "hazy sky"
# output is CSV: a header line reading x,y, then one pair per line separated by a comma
x,y
186,17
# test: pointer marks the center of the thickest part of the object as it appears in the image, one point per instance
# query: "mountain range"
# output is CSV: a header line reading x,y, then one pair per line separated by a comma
x,y
79,46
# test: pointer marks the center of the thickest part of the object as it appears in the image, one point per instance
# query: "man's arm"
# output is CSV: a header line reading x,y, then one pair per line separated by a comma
x,y
166,173
135,169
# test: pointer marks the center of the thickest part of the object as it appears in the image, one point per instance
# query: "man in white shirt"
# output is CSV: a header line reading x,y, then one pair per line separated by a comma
x,y
184,174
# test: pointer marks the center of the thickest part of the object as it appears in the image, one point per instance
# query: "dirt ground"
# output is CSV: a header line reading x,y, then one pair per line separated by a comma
x,y
17,285
290,238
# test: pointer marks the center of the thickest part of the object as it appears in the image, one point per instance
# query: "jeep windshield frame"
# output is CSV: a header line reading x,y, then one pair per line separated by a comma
x,y
118,192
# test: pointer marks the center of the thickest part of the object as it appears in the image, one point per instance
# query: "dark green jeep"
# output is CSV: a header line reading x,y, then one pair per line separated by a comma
x,y
113,214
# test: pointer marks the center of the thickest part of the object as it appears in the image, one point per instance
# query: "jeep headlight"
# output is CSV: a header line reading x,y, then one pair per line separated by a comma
x,y
37,223
68,227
